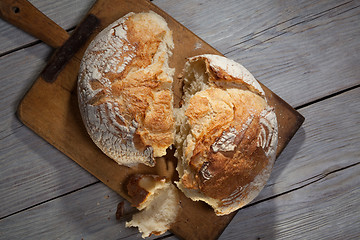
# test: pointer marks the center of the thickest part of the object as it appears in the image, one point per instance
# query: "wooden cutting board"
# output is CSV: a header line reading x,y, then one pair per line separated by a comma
x,y
51,110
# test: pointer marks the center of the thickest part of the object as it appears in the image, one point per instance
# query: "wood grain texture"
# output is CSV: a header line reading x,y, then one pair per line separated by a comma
x,y
313,58
66,13
32,171
303,209
327,209
320,173
290,46
51,110
24,15
85,214
328,140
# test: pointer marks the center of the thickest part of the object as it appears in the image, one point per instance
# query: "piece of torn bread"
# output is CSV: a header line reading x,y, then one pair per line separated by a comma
x,y
124,89
158,200
227,134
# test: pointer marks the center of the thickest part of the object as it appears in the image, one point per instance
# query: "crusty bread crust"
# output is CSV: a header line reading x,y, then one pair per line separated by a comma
x,y
229,138
124,89
226,132
141,188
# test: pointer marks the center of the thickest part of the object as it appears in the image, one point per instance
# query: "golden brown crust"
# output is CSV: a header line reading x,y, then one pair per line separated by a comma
x,y
125,89
232,135
229,169
137,191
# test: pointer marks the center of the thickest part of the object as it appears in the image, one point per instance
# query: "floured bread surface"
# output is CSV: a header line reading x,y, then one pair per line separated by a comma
x,y
124,89
158,200
226,143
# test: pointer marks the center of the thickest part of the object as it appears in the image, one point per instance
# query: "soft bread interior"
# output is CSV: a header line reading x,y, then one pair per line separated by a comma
x,y
196,79
159,209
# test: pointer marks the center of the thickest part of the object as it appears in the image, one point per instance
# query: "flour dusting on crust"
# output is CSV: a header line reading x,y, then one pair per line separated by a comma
x,y
124,81
227,142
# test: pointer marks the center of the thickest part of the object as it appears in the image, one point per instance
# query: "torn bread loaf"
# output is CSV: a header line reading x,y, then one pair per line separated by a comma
x,y
158,202
226,135
226,132
124,89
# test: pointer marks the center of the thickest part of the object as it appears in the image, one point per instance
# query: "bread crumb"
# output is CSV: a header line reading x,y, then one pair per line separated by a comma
x,y
119,210
159,209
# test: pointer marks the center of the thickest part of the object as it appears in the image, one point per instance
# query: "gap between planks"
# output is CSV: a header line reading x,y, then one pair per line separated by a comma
x,y
28,45
164,237
327,97
171,235
32,43
266,199
317,179
50,199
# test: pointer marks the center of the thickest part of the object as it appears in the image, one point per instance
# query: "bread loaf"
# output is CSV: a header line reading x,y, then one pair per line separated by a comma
x,y
226,136
124,89
225,133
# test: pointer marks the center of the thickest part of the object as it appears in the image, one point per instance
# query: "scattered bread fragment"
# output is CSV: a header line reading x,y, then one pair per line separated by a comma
x,y
158,202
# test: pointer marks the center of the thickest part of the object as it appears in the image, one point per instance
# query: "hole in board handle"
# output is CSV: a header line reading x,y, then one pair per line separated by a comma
x,y
15,9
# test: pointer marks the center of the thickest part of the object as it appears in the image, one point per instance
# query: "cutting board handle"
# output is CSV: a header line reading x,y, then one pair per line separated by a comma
x,y
25,16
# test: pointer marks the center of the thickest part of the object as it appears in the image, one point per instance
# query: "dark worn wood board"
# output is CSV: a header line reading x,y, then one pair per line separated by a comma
x,y
51,110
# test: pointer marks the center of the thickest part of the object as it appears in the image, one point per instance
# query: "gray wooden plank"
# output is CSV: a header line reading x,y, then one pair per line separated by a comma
x,y
32,171
66,13
318,173
326,209
308,189
301,50
85,214
328,140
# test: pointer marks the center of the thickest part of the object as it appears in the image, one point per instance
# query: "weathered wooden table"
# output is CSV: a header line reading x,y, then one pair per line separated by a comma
x,y
307,52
